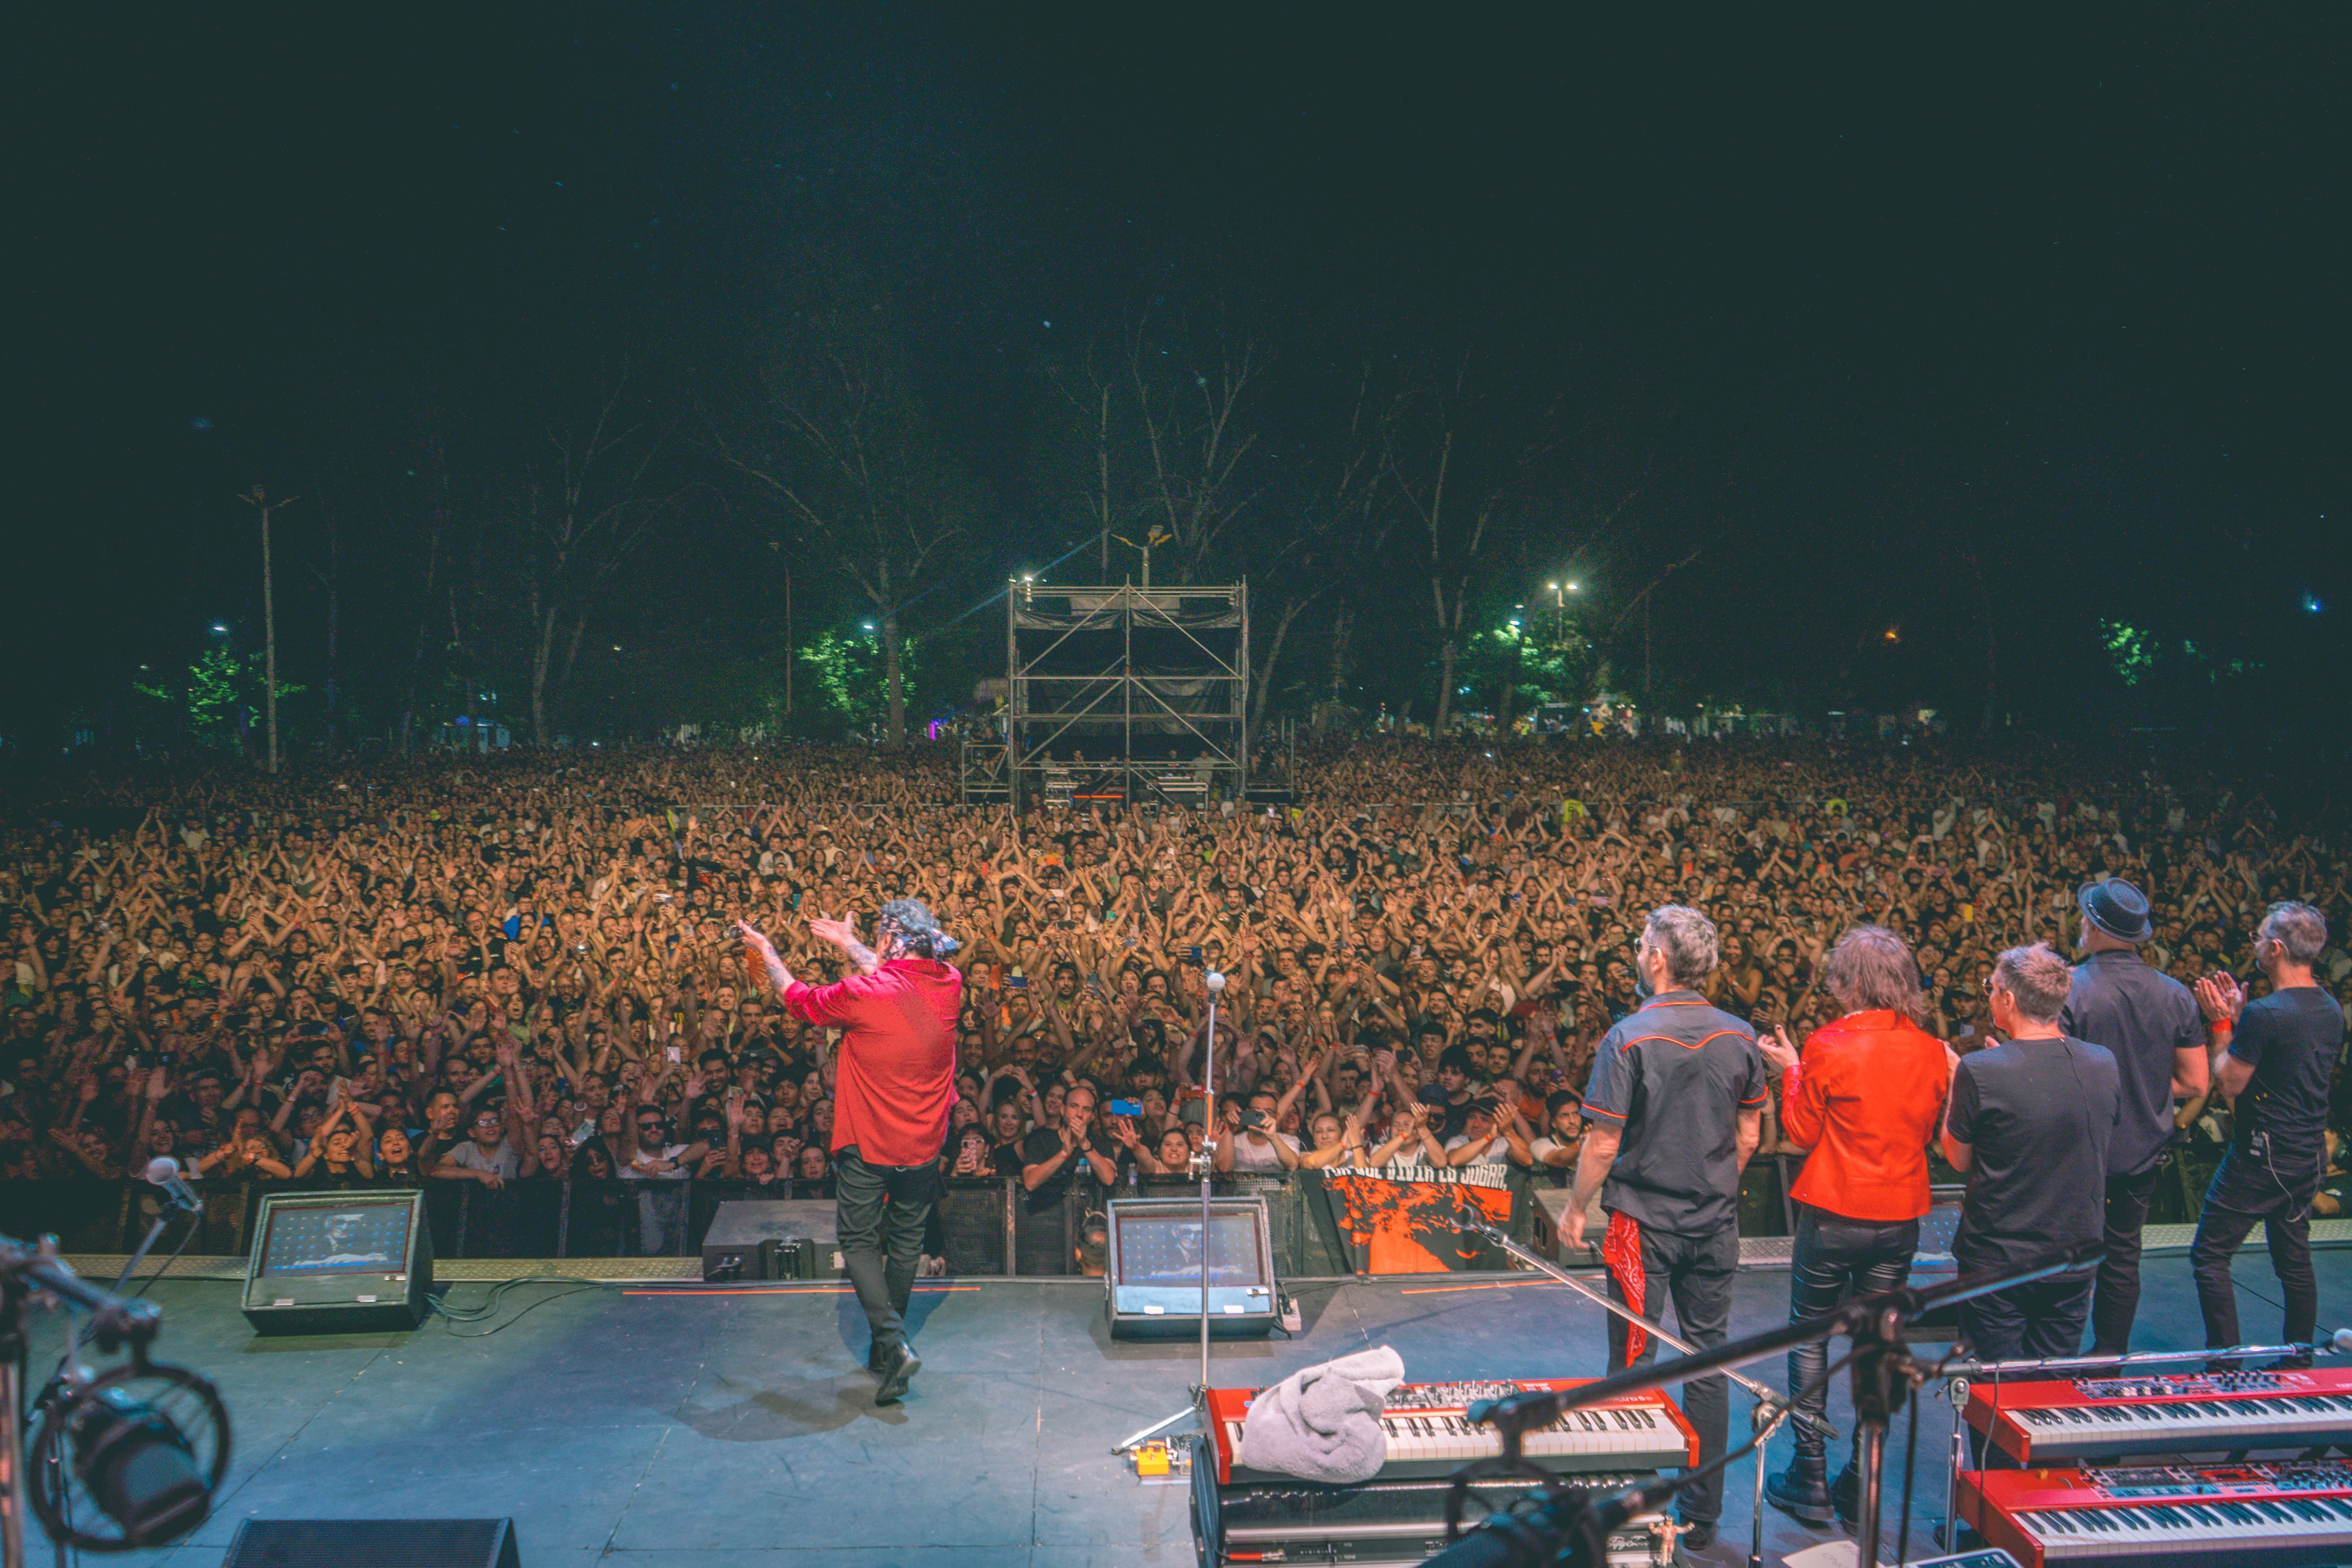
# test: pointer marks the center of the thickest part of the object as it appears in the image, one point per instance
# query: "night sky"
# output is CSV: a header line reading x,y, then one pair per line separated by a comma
x,y
1936,323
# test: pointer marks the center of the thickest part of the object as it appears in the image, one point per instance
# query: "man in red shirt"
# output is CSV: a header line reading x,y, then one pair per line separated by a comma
x,y
1865,1098
894,1087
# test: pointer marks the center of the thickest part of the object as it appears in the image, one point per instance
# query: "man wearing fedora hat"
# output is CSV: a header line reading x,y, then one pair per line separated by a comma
x,y
2151,1023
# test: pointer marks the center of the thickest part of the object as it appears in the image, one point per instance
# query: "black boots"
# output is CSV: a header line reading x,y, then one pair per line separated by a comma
x,y
1802,1491
899,1365
1845,1496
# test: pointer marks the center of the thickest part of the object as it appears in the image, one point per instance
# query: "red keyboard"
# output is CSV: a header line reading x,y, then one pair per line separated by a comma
x,y
2189,1413
2249,1514
1430,1434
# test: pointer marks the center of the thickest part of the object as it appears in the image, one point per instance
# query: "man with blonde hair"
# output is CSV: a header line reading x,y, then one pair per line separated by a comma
x,y
1864,1098
2029,1122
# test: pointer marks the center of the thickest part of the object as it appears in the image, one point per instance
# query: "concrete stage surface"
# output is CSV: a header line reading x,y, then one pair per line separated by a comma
x,y
739,1431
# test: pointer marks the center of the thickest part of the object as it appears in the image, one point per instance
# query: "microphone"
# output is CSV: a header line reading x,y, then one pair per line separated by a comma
x,y
163,1171
1215,982
2342,1340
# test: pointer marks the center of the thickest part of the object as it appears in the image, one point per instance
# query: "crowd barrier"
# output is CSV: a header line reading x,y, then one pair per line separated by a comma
x,y
984,1226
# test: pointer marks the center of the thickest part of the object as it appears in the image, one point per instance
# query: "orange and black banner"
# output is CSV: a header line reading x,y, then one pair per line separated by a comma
x,y
1402,1220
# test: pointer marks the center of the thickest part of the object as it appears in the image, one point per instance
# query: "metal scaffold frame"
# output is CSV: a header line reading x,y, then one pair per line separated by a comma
x,y
1102,707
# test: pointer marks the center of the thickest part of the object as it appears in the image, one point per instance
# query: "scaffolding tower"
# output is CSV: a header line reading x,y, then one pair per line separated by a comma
x,y
1123,694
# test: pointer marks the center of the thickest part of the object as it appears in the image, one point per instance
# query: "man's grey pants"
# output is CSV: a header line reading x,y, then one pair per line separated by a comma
x,y
880,1212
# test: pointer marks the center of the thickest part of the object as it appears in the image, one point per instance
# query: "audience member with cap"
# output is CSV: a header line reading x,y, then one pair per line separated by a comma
x,y
2150,1023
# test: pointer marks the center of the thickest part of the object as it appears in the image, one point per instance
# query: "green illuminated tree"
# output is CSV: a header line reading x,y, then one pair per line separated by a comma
x,y
853,677
217,696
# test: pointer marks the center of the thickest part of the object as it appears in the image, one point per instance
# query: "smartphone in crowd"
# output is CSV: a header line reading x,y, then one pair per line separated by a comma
x,y
1018,982
673,1053
1127,1108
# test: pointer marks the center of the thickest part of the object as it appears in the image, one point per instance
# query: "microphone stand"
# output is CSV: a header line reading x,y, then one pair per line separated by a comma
x,y
1204,1163
114,1321
1883,1371
1767,1396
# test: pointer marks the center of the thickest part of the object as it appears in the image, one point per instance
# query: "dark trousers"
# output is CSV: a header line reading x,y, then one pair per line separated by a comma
x,y
2037,1321
878,1217
1835,1257
2041,1321
2244,1190
1696,1272
2116,1296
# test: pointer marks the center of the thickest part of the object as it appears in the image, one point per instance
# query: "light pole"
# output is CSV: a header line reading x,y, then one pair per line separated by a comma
x,y
259,500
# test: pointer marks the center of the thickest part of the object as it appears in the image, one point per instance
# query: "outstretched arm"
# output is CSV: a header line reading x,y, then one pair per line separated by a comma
x,y
843,934
765,951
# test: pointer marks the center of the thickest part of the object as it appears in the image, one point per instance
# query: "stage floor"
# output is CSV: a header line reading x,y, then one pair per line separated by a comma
x,y
694,1431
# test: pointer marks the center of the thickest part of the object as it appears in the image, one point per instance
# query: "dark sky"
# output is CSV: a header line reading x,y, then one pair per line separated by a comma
x,y
1849,300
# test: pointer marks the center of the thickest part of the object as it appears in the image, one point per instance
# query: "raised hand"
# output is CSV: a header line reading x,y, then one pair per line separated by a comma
x,y
2221,997
841,933
755,940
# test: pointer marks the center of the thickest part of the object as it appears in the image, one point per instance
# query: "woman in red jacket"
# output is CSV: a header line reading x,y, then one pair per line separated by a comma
x,y
1864,1098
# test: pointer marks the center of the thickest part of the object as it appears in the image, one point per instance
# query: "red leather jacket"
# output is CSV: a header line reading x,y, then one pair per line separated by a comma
x,y
1867,1096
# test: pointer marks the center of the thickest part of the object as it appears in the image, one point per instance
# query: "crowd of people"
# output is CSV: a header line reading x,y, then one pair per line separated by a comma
x,y
494,969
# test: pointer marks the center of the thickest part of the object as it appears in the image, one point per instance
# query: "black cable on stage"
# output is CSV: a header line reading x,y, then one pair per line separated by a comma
x,y
490,1306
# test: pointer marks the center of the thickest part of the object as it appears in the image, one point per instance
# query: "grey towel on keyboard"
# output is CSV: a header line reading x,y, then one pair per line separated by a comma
x,y
1323,1423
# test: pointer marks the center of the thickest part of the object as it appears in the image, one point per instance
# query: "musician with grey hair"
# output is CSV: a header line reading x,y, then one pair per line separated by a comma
x,y
1676,1106
2029,1122
894,1090
2274,1058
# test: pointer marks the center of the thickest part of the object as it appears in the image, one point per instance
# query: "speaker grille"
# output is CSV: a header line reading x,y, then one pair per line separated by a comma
x,y
373,1543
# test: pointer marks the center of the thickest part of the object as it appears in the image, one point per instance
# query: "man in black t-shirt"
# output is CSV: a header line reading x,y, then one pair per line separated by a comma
x,y
2150,1022
1051,1157
2029,1122
2274,1058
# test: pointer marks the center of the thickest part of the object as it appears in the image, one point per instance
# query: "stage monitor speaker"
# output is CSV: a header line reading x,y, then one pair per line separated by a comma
x,y
771,1239
339,1262
1154,1269
374,1544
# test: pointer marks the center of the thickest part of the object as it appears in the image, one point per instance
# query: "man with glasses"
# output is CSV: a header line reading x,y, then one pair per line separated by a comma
x,y
895,1086
2274,1058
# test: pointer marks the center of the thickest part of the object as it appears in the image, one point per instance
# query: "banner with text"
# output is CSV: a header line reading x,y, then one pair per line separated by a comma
x,y
1402,1219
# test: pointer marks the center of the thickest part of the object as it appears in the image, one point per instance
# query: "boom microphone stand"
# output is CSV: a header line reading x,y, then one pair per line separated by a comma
x,y
1767,1396
1204,1163
1883,1370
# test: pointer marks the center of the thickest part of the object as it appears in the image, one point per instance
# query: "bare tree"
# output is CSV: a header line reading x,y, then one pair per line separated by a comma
x,y
1196,422
843,446
438,509
1338,517
586,511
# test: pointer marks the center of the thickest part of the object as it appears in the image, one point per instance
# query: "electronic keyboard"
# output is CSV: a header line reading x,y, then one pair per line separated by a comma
x,y
2249,1514
1242,1514
2191,1413
1430,1434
